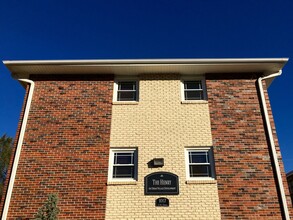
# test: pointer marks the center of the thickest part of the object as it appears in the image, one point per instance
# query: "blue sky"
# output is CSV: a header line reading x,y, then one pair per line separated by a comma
x,y
95,29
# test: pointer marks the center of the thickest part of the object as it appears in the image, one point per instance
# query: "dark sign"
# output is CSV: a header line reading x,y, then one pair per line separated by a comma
x,y
162,202
161,183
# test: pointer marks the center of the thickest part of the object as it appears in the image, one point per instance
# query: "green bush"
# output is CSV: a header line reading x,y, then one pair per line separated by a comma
x,y
5,155
49,211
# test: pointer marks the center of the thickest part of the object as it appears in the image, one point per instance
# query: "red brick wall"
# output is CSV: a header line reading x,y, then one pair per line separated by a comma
x,y
246,183
285,183
66,147
13,151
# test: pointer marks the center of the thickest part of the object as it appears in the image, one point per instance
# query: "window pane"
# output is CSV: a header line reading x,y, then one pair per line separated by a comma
x,y
123,172
126,96
199,170
126,85
192,85
123,158
198,157
193,95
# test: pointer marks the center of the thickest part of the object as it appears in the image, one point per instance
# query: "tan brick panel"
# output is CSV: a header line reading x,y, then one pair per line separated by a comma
x,y
161,126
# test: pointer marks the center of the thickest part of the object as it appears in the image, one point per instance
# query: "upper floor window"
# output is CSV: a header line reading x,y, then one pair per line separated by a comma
x,y
123,164
199,163
126,90
193,90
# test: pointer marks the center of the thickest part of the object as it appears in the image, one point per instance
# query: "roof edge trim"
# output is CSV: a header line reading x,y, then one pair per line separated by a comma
x,y
147,61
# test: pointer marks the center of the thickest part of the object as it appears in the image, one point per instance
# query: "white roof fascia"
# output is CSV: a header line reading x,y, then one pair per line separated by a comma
x,y
147,61
265,66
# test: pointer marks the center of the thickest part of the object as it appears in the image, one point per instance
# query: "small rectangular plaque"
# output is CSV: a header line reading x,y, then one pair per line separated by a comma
x,y
162,202
161,183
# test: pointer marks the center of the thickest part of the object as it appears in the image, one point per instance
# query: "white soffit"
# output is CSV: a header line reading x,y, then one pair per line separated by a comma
x,y
136,67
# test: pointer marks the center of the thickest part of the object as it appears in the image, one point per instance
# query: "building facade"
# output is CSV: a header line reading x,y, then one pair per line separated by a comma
x,y
147,139
290,183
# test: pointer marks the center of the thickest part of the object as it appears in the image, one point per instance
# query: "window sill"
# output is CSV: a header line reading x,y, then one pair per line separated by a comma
x,y
201,181
125,103
112,183
194,102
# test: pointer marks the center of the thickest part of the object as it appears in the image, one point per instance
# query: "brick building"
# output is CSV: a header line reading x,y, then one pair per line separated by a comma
x,y
290,183
147,139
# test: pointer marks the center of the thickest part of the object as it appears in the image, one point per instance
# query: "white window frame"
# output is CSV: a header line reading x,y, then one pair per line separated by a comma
x,y
211,163
111,164
203,84
125,79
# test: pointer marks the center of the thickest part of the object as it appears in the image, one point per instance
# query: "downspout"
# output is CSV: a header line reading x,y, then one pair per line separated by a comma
x,y
18,148
272,143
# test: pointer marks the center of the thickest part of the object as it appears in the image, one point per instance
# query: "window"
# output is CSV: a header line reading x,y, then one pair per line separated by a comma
x,y
193,90
122,164
199,163
126,90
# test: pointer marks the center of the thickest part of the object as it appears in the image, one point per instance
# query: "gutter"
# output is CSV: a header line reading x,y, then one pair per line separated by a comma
x,y
25,68
272,144
147,61
18,148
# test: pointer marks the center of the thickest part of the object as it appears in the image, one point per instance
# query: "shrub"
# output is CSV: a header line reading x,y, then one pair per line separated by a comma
x,y
49,211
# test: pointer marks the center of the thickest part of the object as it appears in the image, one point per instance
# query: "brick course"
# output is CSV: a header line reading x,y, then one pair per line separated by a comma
x,y
66,147
246,183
